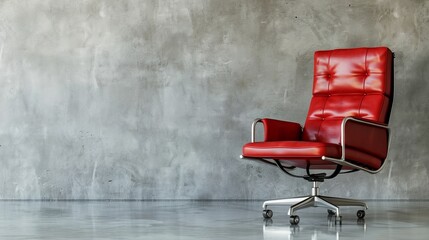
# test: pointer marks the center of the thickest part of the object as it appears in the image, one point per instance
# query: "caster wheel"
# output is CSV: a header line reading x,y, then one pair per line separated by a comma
x,y
360,214
267,214
294,220
331,212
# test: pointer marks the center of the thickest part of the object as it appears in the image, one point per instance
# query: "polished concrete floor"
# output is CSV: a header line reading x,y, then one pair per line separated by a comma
x,y
204,220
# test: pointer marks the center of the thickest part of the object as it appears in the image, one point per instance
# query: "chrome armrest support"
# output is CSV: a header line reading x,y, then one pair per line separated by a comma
x,y
343,160
253,137
256,121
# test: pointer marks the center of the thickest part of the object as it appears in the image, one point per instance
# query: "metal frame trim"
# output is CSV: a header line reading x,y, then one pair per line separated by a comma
x,y
343,160
256,121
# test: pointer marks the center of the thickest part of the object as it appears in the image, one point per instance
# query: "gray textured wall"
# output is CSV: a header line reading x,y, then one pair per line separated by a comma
x,y
154,99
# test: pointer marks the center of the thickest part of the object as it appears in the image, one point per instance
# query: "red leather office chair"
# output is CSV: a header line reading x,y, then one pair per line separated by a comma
x,y
345,130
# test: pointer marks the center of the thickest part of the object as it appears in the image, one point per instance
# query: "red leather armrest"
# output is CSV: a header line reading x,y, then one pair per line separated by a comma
x,y
366,137
276,130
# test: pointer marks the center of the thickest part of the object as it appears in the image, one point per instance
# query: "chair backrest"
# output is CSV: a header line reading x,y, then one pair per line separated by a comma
x,y
348,82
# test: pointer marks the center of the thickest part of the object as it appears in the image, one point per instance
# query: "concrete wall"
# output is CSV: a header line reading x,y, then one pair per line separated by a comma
x,y
154,99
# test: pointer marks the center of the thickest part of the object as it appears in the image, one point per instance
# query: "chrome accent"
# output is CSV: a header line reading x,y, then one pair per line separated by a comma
x,y
344,201
343,161
281,202
254,128
308,202
315,200
315,189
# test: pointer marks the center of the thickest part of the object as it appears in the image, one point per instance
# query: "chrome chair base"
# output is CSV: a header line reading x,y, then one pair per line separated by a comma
x,y
314,200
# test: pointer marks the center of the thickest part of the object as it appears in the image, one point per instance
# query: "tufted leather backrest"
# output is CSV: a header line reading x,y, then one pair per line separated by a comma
x,y
348,82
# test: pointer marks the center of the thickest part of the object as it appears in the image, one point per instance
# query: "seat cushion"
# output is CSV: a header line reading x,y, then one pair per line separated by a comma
x,y
295,153
291,149
303,153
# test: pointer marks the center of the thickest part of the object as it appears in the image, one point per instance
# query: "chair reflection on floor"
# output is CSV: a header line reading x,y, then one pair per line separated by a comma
x,y
280,231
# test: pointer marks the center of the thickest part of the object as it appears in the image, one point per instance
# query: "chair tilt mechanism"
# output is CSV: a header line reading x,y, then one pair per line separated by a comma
x,y
346,129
